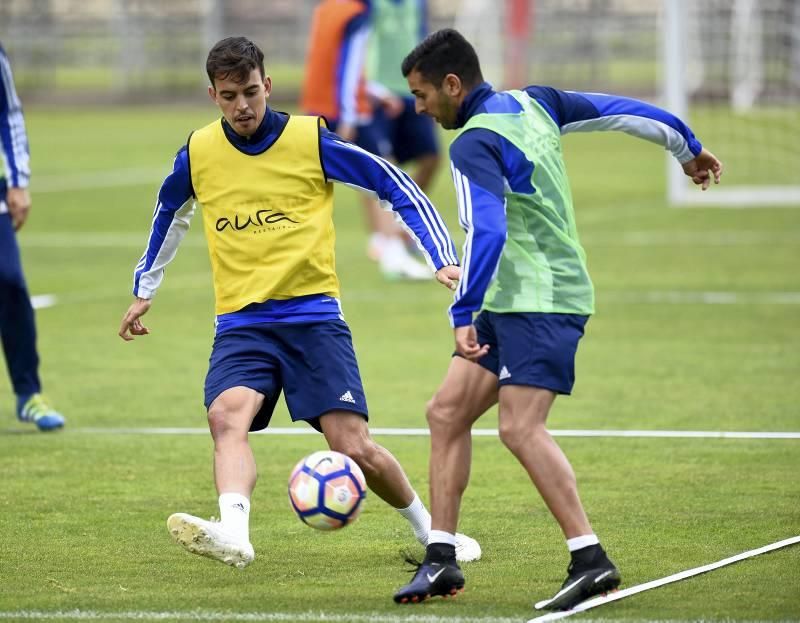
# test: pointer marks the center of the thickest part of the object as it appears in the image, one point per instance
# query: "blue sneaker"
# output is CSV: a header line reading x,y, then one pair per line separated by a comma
x,y
34,408
431,579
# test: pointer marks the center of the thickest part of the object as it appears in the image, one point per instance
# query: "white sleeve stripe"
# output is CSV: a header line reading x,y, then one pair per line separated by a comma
x,y
427,213
439,238
462,219
646,128
468,243
465,216
459,195
150,279
435,216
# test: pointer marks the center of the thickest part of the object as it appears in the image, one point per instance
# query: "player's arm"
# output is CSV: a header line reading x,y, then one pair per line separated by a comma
x,y
14,143
350,72
171,219
477,166
588,112
348,164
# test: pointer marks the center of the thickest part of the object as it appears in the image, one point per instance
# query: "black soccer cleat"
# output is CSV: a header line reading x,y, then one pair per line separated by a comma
x,y
587,576
432,579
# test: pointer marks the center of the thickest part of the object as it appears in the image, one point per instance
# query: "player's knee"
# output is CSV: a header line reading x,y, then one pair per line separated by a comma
x,y
360,450
514,432
222,422
440,414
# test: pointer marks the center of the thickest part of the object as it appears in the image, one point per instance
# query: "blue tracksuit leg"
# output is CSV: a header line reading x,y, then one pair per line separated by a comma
x,y
17,327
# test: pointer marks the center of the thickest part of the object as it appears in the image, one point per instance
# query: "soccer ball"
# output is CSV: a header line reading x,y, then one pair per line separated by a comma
x,y
327,490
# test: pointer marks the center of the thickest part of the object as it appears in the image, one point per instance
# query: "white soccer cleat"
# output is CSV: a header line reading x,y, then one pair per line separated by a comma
x,y
467,548
397,263
206,538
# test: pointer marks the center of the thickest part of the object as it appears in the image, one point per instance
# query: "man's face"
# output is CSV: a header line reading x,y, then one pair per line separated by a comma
x,y
440,103
243,104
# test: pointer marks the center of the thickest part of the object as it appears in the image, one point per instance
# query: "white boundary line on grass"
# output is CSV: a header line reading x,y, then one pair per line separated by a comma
x,y
476,432
201,615
42,301
303,617
676,577
105,178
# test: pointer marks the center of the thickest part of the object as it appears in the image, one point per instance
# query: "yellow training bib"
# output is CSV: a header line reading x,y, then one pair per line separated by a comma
x,y
268,217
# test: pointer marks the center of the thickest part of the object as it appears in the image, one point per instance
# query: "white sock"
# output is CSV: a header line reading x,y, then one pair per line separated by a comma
x,y
579,542
419,518
234,515
440,536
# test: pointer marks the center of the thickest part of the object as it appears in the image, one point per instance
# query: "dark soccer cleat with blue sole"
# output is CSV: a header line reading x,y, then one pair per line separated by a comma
x,y
432,579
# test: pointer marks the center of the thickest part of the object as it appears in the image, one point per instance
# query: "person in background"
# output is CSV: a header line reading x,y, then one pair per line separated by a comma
x,y
400,135
17,323
334,87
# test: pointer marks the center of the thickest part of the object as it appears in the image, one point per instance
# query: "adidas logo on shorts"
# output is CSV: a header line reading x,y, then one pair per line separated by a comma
x,y
347,397
504,374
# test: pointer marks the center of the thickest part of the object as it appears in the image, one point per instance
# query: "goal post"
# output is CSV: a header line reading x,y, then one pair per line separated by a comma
x,y
732,70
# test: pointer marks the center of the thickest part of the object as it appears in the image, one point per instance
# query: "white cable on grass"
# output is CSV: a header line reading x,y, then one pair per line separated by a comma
x,y
676,577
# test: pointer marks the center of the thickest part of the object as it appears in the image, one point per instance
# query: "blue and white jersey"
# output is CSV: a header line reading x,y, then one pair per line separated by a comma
x,y
341,162
350,69
486,166
13,139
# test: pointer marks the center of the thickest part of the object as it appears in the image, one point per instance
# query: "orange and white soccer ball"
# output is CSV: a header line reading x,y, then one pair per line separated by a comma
x,y
327,490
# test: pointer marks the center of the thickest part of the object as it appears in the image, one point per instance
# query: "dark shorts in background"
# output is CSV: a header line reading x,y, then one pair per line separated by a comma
x,y
368,136
313,363
406,137
535,349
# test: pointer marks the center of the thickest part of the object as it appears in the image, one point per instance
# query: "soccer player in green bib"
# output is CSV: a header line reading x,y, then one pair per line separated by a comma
x,y
524,275
264,180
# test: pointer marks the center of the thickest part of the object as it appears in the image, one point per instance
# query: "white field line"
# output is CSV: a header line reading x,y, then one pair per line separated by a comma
x,y
301,617
476,432
96,240
42,301
676,577
65,182
205,615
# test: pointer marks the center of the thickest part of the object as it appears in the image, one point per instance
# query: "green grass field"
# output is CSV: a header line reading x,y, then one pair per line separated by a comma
x,y
696,329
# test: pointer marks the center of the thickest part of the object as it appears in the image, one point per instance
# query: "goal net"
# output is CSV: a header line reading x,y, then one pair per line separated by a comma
x,y
732,70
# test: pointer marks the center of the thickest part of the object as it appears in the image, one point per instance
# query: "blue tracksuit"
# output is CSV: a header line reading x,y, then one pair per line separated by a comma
x,y
17,328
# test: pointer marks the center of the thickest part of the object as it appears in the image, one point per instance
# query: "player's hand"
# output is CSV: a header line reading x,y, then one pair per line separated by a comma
x,y
702,168
347,131
131,321
449,276
19,205
467,343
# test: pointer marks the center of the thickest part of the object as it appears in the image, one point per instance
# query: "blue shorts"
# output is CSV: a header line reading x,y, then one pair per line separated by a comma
x,y
535,349
368,136
312,362
406,137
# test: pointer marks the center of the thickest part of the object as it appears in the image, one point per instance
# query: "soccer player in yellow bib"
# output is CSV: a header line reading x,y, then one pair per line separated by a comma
x,y
264,181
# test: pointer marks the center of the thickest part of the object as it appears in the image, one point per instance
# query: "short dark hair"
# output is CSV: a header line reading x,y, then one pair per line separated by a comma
x,y
234,57
444,52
